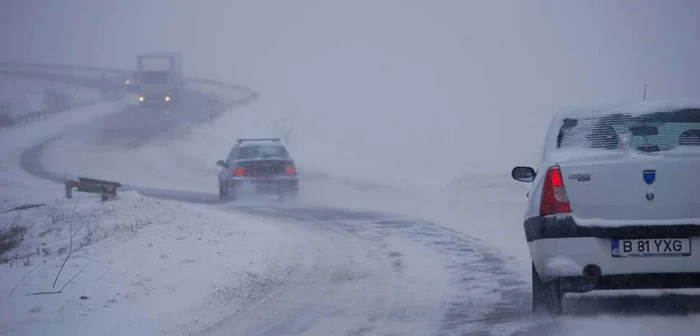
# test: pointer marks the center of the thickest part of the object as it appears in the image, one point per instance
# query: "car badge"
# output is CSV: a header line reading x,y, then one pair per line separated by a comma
x,y
582,177
649,176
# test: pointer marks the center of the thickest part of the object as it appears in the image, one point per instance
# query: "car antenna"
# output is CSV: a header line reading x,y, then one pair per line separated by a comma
x,y
645,92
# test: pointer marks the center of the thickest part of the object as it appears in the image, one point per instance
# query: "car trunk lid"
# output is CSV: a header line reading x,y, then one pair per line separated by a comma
x,y
639,188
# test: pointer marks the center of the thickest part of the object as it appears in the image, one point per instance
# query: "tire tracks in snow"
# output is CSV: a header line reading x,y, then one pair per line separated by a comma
x,y
333,267
473,293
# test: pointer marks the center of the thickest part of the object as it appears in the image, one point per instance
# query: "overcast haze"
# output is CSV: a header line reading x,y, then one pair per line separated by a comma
x,y
395,72
395,211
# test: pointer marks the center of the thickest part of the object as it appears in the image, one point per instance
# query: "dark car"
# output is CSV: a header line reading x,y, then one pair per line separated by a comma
x,y
258,166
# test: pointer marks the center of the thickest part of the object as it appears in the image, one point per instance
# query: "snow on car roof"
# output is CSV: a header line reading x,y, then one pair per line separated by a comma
x,y
260,143
631,108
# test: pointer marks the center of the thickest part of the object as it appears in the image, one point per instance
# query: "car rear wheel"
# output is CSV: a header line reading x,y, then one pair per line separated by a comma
x,y
225,193
287,195
546,296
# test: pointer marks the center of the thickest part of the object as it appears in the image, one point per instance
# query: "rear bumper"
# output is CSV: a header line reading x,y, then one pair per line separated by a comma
x,y
265,185
537,228
567,257
561,249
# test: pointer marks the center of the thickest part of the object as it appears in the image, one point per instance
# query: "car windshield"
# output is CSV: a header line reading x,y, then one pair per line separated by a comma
x,y
652,132
262,152
154,77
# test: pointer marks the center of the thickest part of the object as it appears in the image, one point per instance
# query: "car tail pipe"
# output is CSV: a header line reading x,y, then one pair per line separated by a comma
x,y
592,272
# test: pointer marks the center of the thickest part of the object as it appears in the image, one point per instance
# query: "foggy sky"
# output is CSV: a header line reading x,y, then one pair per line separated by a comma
x,y
475,78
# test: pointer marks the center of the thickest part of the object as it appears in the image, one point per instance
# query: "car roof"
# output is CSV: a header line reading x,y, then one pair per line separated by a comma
x,y
631,108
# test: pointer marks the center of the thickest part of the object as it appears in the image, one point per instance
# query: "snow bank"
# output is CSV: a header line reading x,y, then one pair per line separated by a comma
x,y
142,267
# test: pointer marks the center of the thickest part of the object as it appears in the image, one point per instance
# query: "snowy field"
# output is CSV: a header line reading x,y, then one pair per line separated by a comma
x,y
165,267
20,96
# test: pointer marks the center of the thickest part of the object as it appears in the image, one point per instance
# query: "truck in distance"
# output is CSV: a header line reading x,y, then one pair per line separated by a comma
x,y
160,78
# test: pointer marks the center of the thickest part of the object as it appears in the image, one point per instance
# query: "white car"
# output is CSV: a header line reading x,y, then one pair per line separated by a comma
x,y
615,201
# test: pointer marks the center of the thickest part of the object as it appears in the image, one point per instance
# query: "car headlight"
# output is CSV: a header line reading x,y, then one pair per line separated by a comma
x,y
141,98
167,98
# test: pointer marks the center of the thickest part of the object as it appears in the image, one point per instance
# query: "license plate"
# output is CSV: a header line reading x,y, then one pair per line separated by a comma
x,y
651,247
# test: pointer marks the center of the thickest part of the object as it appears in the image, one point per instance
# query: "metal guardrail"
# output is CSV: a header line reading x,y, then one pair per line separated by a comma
x,y
54,66
112,70
106,189
77,80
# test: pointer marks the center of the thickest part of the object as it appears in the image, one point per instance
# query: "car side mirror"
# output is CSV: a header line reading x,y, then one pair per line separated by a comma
x,y
221,163
523,174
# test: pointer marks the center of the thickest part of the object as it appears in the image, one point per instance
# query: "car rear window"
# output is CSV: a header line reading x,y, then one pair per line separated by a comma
x,y
652,132
262,152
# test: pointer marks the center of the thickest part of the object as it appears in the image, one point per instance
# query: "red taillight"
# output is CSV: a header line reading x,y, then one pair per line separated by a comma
x,y
239,172
291,169
554,198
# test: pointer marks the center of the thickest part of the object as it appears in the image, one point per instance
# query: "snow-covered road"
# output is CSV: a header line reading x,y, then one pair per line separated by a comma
x,y
351,260
398,276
